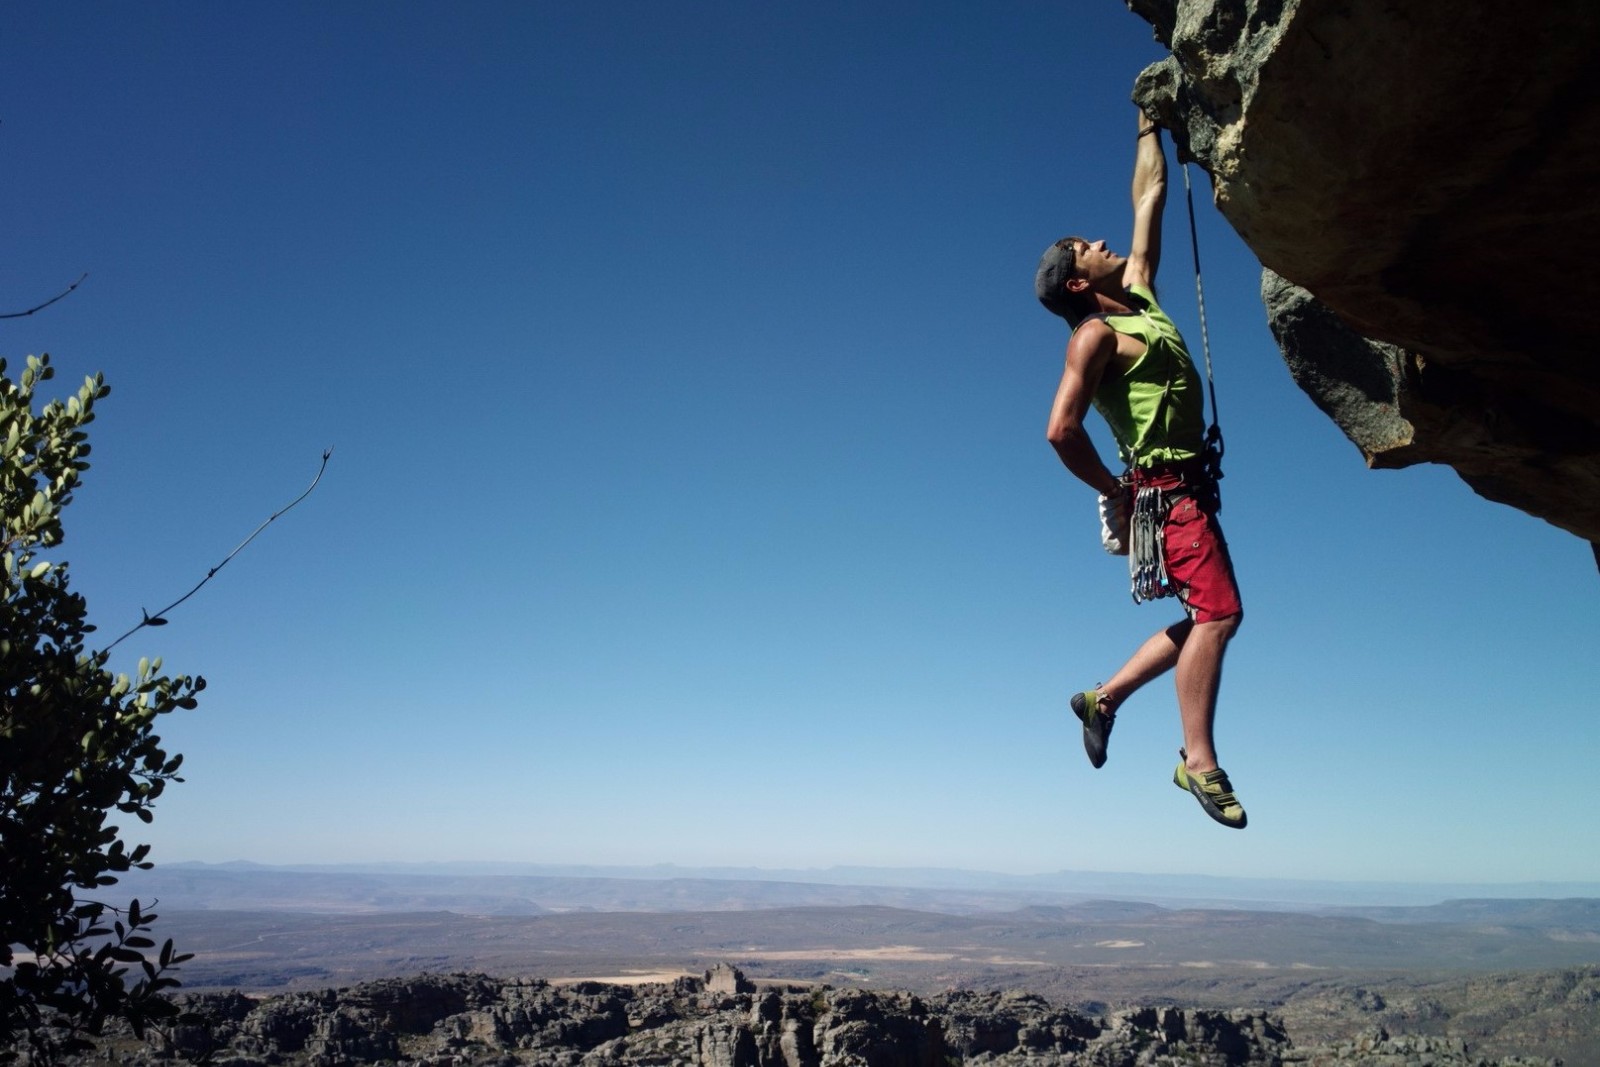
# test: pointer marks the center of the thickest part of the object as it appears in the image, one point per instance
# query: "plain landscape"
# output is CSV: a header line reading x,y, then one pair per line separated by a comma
x,y
1507,975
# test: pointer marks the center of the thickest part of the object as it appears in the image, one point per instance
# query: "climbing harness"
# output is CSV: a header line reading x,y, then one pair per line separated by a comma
x,y
1147,558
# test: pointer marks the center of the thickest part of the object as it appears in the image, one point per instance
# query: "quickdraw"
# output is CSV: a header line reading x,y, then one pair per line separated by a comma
x,y
1147,557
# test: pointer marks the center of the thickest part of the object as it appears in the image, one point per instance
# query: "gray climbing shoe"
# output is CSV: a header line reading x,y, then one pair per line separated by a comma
x,y
1097,722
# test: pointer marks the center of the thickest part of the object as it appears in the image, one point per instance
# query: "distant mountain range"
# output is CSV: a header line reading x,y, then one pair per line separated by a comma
x,y
530,889
265,926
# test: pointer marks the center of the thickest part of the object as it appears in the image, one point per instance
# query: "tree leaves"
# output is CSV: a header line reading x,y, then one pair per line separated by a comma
x,y
78,744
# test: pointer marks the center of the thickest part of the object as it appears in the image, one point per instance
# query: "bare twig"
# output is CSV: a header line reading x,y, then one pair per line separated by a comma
x,y
159,618
47,303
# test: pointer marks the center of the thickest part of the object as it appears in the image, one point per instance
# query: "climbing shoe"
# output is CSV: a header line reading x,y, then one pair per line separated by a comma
x,y
1214,792
1097,722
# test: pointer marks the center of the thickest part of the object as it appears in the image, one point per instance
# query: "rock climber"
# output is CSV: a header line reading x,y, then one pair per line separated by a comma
x,y
1127,358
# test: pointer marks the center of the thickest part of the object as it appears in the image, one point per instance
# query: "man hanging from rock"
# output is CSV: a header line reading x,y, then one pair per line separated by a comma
x,y
1128,360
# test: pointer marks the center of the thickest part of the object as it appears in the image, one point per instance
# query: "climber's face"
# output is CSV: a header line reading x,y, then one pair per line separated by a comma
x,y
1093,262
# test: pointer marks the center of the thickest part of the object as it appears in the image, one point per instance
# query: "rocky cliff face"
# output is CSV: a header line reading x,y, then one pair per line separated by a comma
x,y
1417,178
724,1021
461,1020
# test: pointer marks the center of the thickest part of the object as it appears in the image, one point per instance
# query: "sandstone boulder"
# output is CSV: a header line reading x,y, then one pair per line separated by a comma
x,y
1416,177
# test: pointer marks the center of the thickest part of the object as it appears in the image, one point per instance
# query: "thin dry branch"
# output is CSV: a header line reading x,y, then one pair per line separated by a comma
x,y
159,618
47,303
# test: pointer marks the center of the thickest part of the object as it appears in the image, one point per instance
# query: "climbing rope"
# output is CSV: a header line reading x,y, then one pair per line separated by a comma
x,y
1214,445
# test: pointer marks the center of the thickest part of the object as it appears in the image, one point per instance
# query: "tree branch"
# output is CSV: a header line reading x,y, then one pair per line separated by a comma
x,y
47,303
159,618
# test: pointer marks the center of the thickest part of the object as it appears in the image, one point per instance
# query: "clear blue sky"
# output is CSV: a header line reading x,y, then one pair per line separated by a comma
x,y
690,500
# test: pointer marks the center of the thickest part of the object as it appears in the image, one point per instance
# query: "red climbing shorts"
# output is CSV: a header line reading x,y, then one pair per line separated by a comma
x,y
1197,554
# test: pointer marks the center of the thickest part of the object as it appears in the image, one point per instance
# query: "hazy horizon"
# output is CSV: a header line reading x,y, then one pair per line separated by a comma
x,y
1131,884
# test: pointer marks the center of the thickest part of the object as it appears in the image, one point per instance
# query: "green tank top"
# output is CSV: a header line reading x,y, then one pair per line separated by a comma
x,y
1155,407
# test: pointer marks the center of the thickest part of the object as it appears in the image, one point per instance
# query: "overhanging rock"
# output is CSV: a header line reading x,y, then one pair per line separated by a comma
x,y
1418,178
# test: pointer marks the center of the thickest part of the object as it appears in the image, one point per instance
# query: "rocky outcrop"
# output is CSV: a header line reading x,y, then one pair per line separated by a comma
x,y
472,1020
726,978
1377,1047
1416,176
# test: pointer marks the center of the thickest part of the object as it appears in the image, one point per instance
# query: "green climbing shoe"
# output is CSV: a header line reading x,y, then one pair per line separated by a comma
x,y
1214,792
1097,722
